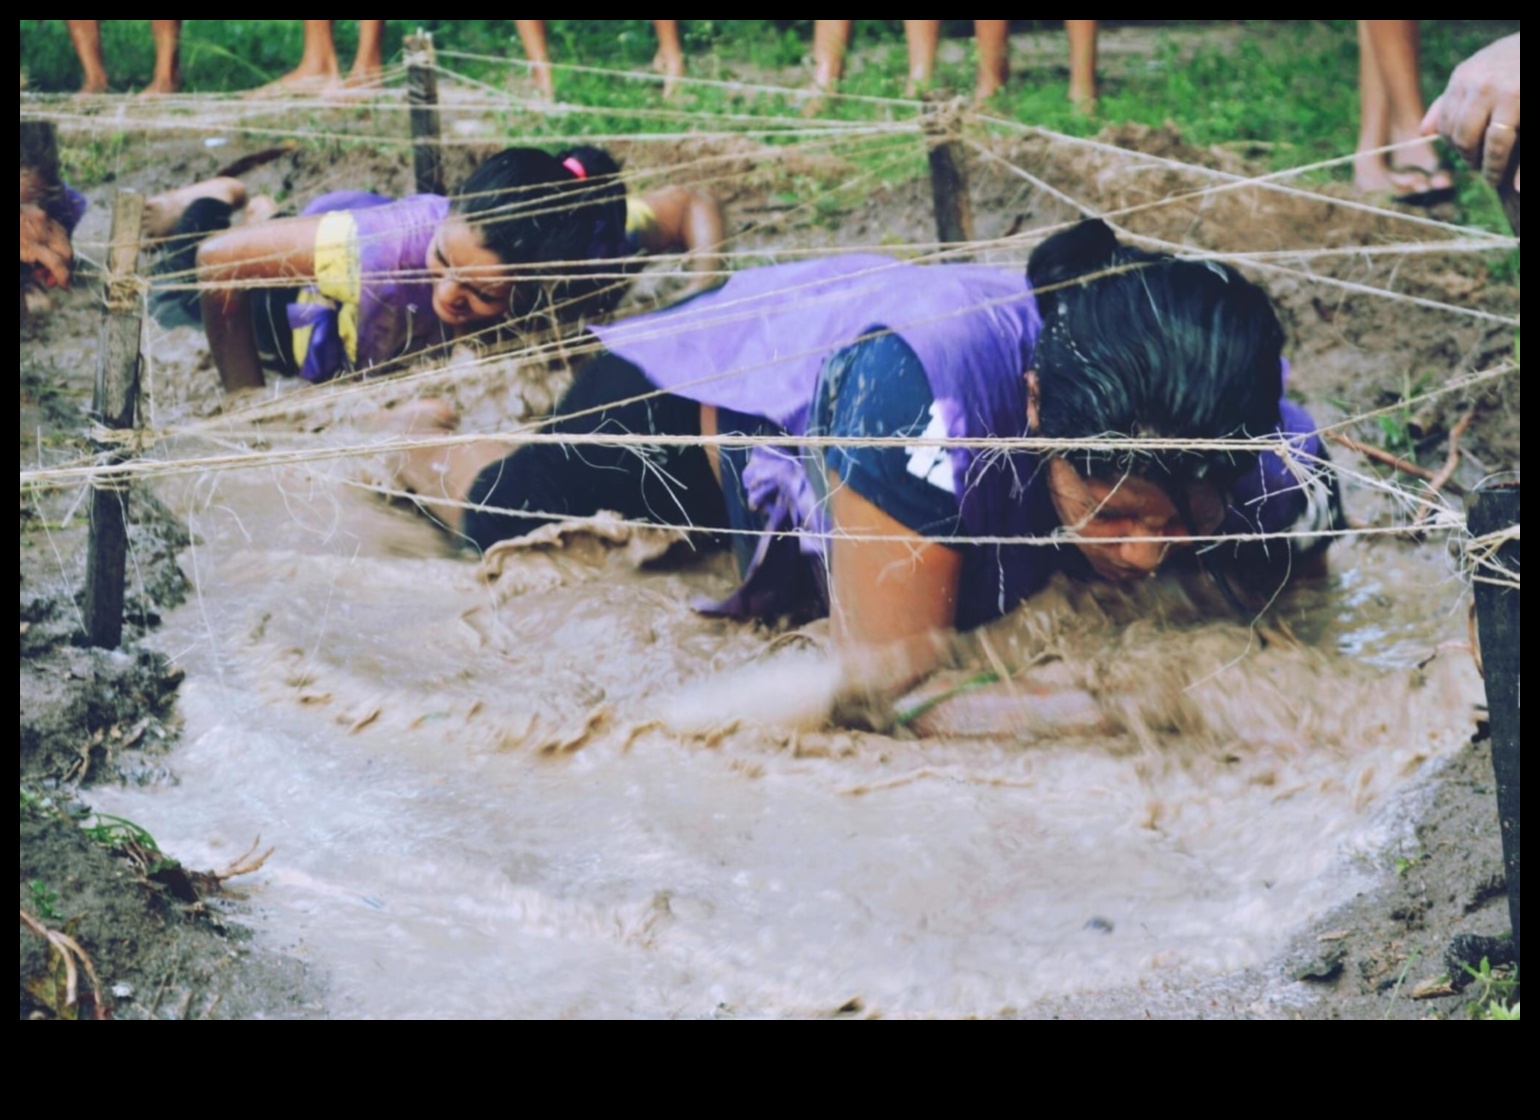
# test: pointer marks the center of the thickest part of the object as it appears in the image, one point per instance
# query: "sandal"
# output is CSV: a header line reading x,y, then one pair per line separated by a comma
x,y
1428,186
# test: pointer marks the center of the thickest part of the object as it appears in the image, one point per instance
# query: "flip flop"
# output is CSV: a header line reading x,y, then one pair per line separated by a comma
x,y
1429,195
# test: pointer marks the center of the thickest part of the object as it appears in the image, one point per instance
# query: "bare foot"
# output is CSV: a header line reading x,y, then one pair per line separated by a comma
x,y
261,208
1083,99
302,81
162,85
541,73
671,65
988,86
162,211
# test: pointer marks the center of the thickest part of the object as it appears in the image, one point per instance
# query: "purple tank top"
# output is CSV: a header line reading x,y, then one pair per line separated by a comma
x,y
394,311
756,346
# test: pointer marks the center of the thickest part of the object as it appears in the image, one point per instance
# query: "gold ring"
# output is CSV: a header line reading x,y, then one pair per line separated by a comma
x,y
1503,125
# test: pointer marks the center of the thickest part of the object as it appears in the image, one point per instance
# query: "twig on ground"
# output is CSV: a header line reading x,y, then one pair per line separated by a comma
x,y
246,863
1380,455
1446,472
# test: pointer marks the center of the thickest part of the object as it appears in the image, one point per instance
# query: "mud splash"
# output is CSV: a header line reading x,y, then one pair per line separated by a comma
x,y
475,815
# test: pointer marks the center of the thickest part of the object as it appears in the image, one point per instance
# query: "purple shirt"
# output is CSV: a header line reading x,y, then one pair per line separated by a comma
x,y
374,299
757,344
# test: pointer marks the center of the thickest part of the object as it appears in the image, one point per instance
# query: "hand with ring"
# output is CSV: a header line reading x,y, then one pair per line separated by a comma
x,y
1479,111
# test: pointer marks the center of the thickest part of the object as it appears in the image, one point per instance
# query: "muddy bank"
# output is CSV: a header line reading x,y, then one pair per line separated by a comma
x,y
464,789
162,944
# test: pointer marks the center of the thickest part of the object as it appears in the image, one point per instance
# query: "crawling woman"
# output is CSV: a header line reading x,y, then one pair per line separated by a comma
x,y
359,280
902,539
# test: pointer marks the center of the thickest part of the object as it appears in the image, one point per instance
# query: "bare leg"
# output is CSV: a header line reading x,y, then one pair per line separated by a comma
x,y
994,68
318,68
86,34
164,210
1082,63
1395,43
1389,99
831,37
532,35
669,61
441,477
369,61
168,67
922,37
1370,172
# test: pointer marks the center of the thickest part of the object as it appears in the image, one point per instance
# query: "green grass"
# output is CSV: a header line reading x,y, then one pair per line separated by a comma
x,y
1492,995
1287,86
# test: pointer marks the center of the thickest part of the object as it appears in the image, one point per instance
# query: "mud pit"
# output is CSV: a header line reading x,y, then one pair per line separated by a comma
x,y
476,813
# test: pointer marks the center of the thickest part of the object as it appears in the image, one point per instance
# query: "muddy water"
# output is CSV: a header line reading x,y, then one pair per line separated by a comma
x,y
476,815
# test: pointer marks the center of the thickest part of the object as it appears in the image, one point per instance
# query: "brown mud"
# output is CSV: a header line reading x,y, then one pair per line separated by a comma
x,y
111,717
161,943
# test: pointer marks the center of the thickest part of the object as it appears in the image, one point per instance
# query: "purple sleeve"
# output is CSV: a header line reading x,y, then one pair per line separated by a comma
x,y
77,206
345,200
1295,493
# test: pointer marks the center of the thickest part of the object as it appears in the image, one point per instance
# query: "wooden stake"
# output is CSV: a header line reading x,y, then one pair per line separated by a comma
x,y
948,178
114,405
1495,507
422,96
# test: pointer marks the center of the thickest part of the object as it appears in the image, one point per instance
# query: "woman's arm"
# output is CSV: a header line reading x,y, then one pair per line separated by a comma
x,y
688,221
282,250
892,598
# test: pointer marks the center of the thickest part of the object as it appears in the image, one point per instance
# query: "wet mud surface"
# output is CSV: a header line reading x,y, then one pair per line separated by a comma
x,y
161,948
470,772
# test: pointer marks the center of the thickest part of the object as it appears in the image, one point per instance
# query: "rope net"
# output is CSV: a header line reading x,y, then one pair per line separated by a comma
x,y
775,168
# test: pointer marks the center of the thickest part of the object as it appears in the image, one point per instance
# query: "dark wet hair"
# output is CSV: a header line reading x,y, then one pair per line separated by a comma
x,y
536,209
1144,345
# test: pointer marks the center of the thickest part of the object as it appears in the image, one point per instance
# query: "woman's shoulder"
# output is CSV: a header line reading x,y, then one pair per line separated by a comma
x,y
381,208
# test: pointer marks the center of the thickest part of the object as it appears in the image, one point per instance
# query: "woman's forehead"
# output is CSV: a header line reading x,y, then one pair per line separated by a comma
x,y
1130,494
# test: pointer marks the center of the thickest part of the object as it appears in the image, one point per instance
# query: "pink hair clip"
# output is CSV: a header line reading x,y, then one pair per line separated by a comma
x,y
571,164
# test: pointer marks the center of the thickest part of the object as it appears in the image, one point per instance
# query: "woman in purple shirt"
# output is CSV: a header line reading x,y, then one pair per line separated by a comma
x,y
359,280
905,542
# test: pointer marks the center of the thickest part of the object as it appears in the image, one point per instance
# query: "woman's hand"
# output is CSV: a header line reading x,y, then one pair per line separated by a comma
x,y
892,600
45,248
1479,112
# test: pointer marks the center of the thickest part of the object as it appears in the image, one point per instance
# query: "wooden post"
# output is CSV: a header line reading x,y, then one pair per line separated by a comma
x,y
948,180
1495,507
422,95
114,405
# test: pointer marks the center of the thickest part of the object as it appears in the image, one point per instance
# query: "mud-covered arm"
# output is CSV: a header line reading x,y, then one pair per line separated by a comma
x,y
282,251
685,220
892,600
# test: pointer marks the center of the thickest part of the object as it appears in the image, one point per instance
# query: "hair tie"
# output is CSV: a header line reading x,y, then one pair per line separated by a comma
x,y
571,164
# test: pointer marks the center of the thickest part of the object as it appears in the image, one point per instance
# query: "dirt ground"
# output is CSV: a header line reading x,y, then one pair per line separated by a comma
x,y
164,948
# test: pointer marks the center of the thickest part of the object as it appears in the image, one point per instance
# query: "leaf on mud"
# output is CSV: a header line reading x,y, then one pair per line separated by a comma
x,y
1436,988
51,989
59,988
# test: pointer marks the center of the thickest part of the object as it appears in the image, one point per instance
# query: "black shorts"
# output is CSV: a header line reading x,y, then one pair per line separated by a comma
x,y
662,483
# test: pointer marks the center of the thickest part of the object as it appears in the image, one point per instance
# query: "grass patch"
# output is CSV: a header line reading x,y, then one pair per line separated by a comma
x,y
1285,87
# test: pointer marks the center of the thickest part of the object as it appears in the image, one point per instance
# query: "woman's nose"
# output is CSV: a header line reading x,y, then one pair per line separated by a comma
x,y
449,295
1145,555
